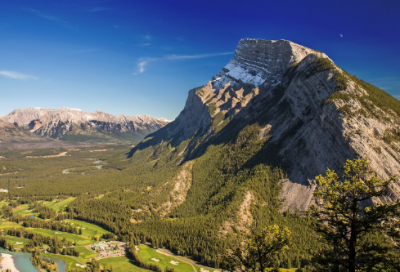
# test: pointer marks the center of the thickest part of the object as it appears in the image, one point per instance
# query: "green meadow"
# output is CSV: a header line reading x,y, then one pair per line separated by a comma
x,y
120,264
22,209
13,240
80,240
149,254
58,205
2,203
8,225
71,263
88,229
85,255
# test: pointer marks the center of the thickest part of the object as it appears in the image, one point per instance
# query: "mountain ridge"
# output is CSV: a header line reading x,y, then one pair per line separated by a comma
x,y
68,122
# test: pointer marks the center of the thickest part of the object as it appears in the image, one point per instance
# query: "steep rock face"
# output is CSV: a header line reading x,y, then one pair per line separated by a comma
x,y
60,122
255,63
259,62
314,114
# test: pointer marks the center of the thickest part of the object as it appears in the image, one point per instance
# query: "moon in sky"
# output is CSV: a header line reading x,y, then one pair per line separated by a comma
x,y
341,35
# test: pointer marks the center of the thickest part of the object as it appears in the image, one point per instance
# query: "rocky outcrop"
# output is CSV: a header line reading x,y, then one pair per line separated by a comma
x,y
181,185
65,121
243,220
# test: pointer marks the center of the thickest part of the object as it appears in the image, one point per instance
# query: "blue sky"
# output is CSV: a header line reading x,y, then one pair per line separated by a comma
x,y
142,57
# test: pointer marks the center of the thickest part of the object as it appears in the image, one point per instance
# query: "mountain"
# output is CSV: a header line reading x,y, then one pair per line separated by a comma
x,y
287,106
244,152
77,125
11,133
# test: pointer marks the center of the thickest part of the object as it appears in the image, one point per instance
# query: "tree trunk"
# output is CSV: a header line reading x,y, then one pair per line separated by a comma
x,y
353,238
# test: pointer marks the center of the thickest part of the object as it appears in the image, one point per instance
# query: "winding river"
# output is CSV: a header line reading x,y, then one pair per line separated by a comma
x,y
23,263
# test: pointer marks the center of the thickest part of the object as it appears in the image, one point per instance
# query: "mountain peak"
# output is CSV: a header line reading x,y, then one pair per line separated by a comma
x,y
71,109
258,61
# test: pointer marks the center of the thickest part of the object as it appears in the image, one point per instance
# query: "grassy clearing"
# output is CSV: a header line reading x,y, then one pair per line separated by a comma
x,y
147,253
21,209
71,263
3,203
121,264
59,206
85,255
88,229
80,240
8,225
13,240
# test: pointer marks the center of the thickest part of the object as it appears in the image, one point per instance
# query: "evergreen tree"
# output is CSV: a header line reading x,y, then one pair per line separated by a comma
x,y
260,251
346,218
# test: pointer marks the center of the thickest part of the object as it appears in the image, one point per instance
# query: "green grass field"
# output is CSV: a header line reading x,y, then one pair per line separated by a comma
x,y
22,209
147,253
59,205
4,224
120,264
85,255
88,229
80,240
71,263
13,240
2,203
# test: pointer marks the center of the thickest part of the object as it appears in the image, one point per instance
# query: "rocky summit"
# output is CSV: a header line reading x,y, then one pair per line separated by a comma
x,y
310,115
78,125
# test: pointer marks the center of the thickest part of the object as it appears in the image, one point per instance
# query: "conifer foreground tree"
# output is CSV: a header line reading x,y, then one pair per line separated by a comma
x,y
259,252
354,229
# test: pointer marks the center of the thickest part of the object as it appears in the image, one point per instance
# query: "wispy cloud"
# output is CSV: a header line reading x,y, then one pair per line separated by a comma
x,y
143,62
147,37
179,57
49,17
141,65
15,75
97,9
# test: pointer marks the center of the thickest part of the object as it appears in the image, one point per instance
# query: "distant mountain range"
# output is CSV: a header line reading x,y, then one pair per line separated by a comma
x,y
80,126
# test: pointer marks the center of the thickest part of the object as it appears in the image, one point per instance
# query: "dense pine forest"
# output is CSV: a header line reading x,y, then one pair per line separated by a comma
x,y
127,197
191,229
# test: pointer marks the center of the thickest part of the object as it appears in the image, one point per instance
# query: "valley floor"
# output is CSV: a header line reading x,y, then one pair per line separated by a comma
x,y
108,253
